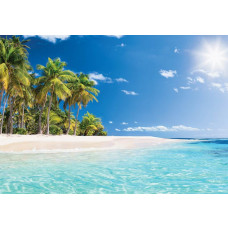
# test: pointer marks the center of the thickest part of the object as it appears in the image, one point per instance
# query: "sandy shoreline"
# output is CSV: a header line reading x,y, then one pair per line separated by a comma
x,y
19,143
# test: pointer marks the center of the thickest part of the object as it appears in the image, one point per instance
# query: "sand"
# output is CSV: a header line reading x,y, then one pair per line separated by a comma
x,y
21,143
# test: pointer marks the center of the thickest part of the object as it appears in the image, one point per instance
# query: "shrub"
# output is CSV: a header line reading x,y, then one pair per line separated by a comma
x,y
20,131
103,133
55,130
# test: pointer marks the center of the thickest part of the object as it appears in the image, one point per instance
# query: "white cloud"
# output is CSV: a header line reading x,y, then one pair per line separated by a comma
x,y
190,80
176,50
184,128
217,85
211,74
135,122
195,80
117,36
200,80
99,77
124,123
222,88
50,38
162,128
176,90
185,87
129,92
168,73
110,122
117,129
122,45
121,80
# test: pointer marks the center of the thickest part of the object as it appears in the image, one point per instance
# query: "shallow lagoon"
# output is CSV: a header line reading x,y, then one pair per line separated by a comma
x,y
189,167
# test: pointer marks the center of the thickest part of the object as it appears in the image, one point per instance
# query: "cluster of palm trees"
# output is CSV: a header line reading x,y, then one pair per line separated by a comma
x,y
29,104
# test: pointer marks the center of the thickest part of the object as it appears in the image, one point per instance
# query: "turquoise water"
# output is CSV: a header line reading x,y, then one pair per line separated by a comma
x,y
193,167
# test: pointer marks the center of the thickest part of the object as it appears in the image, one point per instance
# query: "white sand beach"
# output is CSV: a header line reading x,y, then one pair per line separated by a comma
x,y
20,143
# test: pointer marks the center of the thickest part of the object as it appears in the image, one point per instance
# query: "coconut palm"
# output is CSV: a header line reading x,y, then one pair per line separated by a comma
x,y
31,103
40,100
22,103
71,100
90,124
54,83
3,114
83,93
14,68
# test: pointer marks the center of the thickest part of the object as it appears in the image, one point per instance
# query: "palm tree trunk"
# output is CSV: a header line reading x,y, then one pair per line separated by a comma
x,y
76,120
69,119
8,124
3,114
40,116
1,96
18,120
48,115
11,116
22,117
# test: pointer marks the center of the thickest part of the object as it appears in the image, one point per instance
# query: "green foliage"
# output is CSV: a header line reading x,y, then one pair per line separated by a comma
x,y
91,125
55,130
20,131
31,103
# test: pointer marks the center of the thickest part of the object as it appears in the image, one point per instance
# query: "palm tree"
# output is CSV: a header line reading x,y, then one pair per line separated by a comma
x,y
54,83
3,113
14,68
83,93
90,124
22,103
40,100
73,85
7,58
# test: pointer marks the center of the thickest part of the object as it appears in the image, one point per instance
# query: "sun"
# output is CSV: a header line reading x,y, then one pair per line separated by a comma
x,y
213,55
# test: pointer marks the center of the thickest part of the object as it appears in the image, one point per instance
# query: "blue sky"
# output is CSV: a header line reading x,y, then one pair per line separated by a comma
x,y
166,86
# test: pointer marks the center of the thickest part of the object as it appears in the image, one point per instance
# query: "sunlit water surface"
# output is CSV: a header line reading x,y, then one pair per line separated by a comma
x,y
192,167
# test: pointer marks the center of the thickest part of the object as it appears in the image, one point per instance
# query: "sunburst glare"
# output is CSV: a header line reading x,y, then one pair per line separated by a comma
x,y
213,56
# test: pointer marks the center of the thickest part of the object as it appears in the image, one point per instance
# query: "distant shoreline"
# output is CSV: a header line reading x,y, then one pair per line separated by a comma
x,y
42,143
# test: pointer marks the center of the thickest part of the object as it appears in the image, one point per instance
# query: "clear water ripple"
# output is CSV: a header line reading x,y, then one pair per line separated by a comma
x,y
191,167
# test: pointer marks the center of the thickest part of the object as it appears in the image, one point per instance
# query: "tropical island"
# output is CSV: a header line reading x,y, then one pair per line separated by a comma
x,y
42,143
30,106
30,103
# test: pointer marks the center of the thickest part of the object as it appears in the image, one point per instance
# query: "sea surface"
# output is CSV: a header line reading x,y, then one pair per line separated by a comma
x,y
192,167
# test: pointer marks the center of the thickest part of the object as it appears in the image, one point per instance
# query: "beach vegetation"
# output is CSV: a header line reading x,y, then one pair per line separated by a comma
x,y
47,102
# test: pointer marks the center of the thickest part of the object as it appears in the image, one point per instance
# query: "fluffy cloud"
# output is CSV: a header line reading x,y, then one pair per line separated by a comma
x,y
185,87
121,80
129,92
168,73
200,80
50,38
194,80
110,122
221,87
217,85
162,128
176,50
117,129
124,123
99,77
211,74
116,36
176,90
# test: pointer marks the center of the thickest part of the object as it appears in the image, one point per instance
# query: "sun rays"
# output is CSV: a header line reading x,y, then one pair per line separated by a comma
x,y
213,56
